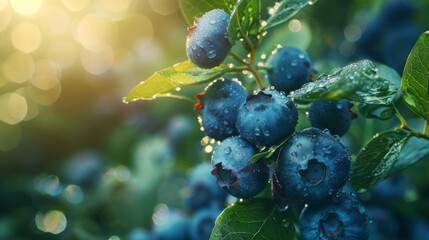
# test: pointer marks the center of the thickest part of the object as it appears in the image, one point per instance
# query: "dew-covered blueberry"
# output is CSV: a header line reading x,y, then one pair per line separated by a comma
x,y
234,171
204,191
202,223
312,167
266,118
342,219
218,107
207,44
291,68
332,115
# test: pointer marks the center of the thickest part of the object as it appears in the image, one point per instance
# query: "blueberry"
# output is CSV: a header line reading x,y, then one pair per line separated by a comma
x,y
84,168
291,69
332,115
266,118
204,189
397,12
233,170
343,219
207,44
172,225
420,230
384,225
202,223
390,190
138,234
312,167
218,107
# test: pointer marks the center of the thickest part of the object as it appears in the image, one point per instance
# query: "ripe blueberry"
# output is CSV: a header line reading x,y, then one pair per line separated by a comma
x,y
291,69
312,167
138,234
202,223
343,219
204,189
172,225
332,115
233,170
390,190
207,44
384,225
218,107
266,118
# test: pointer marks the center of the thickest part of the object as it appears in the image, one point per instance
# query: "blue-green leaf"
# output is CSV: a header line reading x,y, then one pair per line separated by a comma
x,y
255,219
285,10
415,77
192,9
244,18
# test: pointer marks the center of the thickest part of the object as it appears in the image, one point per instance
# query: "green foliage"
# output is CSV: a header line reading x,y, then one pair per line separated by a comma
x,y
285,11
381,111
166,81
192,9
244,17
415,77
255,219
357,82
375,161
268,153
415,150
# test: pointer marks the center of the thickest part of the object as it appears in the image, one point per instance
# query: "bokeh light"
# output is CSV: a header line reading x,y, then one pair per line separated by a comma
x,y
18,67
26,37
5,17
73,194
75,5
13,108
164,7
26,7
52,222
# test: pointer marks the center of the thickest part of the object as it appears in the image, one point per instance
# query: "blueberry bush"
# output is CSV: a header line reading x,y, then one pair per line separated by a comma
x,y
289,182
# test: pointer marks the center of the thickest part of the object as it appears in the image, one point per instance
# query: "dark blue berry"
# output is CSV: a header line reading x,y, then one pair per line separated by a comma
x,y
171,225
138,234
343,219
233,170
390,190
420,230
332,115
218,107
204,191
385,225
266,118
207,43
84,168
312,167
202,223
291,69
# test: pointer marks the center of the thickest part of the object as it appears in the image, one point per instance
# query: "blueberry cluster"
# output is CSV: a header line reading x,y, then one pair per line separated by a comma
x,y
311,167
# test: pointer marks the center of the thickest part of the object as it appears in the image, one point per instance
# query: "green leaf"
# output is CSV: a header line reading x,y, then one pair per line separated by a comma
x,y
415,150
357,82
257,219
285,11
192,9
375,161
244,17
415,77
380,111
268,153
164,82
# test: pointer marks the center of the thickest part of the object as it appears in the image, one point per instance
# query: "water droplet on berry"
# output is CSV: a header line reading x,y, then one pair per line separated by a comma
x,y
299,145
226,110
212,54
267,133
289,76
227,150
257,132
225,122
293,154
212,22
301,55
339,105
294,63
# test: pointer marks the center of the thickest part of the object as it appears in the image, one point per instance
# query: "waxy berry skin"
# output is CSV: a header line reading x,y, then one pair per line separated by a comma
x,y
234,171
342,219
266,118
312,167
207,44
202,223
218,107
291,68
332,115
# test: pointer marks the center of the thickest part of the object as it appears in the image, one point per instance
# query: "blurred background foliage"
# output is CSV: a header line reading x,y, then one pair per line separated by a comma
x,y
77,163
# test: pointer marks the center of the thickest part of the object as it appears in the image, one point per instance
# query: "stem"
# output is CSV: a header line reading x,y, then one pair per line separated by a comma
x,y
302,107
405,126
237,58
257,76
425,129
401,118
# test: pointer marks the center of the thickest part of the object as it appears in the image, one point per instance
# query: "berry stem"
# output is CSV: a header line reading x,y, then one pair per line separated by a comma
x,y
238,58
425,129
255,72
405,126
302,107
